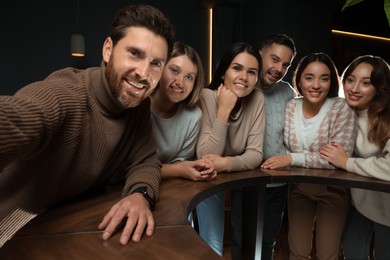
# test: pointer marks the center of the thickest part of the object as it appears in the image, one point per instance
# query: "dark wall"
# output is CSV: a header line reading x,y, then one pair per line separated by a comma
x,y
347,48
367,17
308,22
36,39
36,35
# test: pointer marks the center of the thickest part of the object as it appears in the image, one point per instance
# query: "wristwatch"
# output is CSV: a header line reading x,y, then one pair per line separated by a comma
x,y
143,191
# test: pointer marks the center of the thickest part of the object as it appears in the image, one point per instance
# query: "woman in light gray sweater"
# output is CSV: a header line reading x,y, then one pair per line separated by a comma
x,y
176,116
367,89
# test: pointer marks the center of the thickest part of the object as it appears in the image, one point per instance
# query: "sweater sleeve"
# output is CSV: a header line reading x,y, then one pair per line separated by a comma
x,y
294,148
30,118
338,126
342,130
241,141
142,165
376,167
254,140
21,124
213,133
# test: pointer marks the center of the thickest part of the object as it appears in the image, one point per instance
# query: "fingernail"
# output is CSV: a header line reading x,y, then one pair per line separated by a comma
x,y
106,235
136,237
124,240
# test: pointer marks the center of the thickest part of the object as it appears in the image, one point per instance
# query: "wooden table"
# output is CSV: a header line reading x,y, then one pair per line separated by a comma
x,y
69,231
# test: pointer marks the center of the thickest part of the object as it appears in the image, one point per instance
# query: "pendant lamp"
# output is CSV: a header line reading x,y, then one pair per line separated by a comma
x,y
77,43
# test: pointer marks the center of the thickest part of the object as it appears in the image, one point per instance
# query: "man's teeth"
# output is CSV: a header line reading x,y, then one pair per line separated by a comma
x,y
136,85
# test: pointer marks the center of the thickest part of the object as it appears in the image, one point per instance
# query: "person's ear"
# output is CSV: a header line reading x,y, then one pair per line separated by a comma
x,y
107,49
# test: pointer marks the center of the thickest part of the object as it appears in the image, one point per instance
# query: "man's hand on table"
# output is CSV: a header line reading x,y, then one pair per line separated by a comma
x,y
134,209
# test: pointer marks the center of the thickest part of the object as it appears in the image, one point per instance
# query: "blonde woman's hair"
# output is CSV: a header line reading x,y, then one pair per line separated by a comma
x,y
180,49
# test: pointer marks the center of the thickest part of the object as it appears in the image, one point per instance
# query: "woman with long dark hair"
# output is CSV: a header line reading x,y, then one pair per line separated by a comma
x,y
231,136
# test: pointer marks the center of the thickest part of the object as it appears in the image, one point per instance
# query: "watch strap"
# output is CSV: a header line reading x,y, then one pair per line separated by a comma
x,y
144,191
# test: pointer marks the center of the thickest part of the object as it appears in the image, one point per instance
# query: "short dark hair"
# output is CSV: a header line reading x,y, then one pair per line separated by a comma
x,y
144,16
281,39
227,59
325,59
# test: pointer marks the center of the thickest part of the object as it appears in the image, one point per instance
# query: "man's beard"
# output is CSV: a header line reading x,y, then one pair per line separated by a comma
x,y
114,80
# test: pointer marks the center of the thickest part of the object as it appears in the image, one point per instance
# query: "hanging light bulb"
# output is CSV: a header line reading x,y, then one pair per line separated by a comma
x,y
77,43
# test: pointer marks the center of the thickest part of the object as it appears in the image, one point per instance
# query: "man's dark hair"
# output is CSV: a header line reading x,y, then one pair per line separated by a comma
x,y
144,16
281,39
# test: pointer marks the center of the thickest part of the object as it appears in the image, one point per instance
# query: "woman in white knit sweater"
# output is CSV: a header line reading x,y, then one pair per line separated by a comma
x,y
367,89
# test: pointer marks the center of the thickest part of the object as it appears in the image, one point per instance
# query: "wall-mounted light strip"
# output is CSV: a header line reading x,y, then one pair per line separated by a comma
x,y
210,44
361,35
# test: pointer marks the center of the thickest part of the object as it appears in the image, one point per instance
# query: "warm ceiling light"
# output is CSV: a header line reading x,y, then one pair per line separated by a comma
x,y
361,35
77,43
210,44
